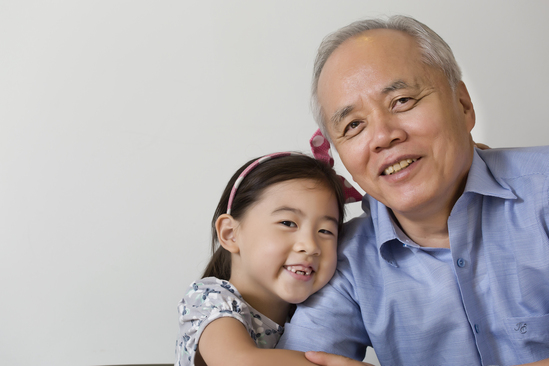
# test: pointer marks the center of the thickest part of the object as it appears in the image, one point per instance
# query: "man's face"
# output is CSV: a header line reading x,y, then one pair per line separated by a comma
x,y
399,128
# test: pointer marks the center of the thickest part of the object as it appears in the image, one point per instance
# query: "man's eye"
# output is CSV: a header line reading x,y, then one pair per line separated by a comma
x,y
288,223
403,104
352,126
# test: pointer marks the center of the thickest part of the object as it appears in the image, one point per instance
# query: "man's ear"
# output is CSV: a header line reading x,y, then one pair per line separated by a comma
x,y
226,226
466,105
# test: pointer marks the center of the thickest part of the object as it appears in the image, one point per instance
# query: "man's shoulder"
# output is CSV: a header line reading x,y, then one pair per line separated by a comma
x,y
360,225
356,225
360,230
517,162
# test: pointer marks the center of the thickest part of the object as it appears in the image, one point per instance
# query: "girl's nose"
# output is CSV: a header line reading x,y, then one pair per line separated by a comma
x,y
307,244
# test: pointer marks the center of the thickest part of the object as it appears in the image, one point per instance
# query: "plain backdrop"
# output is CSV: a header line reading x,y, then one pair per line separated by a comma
x,y
122,121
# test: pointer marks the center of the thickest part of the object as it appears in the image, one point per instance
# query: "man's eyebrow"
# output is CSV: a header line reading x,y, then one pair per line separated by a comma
x,y
397,85
340,114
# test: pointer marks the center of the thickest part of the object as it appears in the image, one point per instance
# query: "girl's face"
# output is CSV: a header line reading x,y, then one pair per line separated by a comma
x,y
287,243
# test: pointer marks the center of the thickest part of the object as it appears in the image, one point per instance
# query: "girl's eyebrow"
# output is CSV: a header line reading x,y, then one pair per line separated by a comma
x,y
331,218
287,208
297,211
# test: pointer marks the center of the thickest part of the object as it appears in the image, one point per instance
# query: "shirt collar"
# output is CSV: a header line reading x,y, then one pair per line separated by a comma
x,y
480,180
384,226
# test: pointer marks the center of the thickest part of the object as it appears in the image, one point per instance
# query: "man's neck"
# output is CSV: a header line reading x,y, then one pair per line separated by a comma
x,y
427,232
427,224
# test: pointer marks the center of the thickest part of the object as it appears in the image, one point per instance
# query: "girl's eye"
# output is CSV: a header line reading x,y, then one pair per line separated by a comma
x,y
288,223
403,100
324,231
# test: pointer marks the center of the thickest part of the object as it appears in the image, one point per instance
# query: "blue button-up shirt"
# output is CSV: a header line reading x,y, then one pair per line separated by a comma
x,y
485,301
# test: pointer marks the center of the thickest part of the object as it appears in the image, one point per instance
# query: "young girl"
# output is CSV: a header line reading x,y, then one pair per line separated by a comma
x,y
274,238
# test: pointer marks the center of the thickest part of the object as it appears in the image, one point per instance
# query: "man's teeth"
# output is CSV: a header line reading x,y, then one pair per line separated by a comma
x,y
300,270
398,166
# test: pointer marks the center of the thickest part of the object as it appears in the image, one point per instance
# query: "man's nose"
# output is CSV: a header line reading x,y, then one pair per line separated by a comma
x,y
387,131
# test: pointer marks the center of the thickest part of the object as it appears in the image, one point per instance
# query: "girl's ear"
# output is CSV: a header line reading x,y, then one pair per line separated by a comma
x,y
226,225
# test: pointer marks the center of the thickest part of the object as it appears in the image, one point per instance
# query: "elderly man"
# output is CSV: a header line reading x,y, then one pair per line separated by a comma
x,y
449,265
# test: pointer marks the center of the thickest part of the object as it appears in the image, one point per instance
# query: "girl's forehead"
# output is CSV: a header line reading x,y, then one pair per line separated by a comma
x,y
300,184
305,195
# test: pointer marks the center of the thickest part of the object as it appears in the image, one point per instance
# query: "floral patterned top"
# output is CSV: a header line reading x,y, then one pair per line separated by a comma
x,y
209,299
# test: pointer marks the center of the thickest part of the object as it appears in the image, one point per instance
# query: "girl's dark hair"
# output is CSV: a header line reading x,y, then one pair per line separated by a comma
x,y
270,172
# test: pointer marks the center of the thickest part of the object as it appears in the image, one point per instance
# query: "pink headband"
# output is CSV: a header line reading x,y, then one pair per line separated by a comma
x,y
250,168
321,151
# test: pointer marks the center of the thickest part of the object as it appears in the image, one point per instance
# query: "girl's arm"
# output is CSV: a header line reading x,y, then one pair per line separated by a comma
x,y
226,342
328,359
538,363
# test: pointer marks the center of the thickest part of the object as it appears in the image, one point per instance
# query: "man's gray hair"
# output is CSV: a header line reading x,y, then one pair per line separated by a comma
x,y
435,52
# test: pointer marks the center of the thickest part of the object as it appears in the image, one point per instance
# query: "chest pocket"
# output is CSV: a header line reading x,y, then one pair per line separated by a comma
x,y
529,335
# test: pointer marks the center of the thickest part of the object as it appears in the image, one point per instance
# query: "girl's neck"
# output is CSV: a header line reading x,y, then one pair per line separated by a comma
x,y
275,309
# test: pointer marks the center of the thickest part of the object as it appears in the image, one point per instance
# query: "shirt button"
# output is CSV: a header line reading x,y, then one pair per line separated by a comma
x,y
461,262
477,328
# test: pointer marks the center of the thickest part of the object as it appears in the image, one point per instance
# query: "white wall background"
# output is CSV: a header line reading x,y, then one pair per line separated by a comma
x,y
121,121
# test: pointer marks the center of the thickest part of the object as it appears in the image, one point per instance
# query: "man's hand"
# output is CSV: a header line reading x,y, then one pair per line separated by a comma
x,y
328,359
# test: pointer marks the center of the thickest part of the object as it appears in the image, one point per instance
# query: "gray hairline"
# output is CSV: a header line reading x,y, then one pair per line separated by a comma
x,y
434,50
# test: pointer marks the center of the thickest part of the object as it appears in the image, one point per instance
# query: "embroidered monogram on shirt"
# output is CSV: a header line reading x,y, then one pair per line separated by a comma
x,y
522,328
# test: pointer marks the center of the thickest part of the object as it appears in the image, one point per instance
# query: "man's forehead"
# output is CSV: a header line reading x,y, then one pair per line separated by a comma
x,y
373,50
380,40
386,52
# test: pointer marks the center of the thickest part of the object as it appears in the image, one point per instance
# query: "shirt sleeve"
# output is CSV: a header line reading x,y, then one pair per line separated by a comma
x,y
206,300
546,205
329,321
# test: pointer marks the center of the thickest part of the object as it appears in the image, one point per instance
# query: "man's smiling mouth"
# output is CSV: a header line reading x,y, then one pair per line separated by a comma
x,y
398,166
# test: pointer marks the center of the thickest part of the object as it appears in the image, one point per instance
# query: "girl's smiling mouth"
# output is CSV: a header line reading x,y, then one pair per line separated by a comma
x,y
300,270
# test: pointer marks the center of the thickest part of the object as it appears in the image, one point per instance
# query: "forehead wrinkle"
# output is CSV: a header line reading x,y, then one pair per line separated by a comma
x,y
398,85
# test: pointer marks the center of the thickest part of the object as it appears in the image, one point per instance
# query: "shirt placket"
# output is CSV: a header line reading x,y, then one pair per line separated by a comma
x,y
462,226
